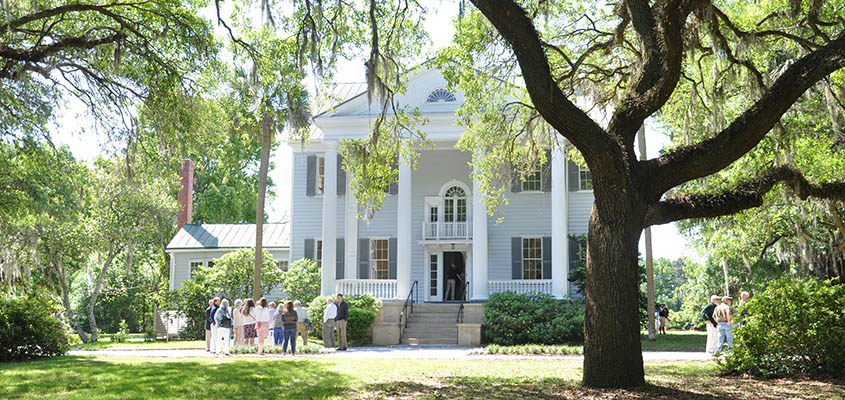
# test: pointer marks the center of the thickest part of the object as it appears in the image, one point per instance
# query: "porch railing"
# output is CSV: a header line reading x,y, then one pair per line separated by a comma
x,y
447,230
520,286
378,288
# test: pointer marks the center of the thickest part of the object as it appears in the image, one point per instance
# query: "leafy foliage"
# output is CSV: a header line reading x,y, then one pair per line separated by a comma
x,y
794,326
302,280
511,319
30,327
364,315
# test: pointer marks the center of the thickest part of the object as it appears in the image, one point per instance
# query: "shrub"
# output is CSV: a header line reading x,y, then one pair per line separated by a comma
x,y
122,332
231,277
302,280
538,318
30,327
794,326
360,318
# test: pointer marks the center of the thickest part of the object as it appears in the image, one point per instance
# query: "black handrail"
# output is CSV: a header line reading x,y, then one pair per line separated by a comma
x,y
409,301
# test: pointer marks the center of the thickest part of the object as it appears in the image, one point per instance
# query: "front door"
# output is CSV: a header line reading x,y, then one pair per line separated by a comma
x,y
435,277
454,276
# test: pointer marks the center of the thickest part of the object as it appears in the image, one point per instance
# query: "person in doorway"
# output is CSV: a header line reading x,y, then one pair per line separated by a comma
x,y
664,318
223,317
722,315
329,315
288,322
707,316
278,329
248,312
214,338
209,320
301,326
450,282
238,320
340,322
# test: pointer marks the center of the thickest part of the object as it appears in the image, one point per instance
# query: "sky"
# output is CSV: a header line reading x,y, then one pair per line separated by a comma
x,y
73,129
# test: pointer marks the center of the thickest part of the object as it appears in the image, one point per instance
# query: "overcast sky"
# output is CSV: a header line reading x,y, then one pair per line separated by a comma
x,y
72,128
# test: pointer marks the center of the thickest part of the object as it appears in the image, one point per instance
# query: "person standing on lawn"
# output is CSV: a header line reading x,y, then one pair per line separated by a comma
x,y
743,300
272,323
262,324
223,318
209,319
238,321
712,332
722,315
301,317
214,339
329,315
248,312
289,319
278,325
664,318
340,322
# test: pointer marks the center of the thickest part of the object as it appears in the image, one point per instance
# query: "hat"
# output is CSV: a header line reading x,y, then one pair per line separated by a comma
x,y
727,298
714,297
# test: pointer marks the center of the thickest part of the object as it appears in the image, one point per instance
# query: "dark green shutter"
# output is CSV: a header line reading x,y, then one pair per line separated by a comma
x,y
339,252
516,258
341,177
309,249
547,257
391,258
311,173
363,258
546,176
573,176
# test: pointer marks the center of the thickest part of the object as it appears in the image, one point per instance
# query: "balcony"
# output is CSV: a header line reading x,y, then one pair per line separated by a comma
x,y
447,230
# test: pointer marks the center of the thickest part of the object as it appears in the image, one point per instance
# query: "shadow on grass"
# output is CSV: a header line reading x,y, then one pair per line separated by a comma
x,y
488,388
84,378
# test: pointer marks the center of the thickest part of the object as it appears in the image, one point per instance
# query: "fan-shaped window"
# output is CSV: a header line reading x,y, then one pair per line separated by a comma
x,y
455,191
440,96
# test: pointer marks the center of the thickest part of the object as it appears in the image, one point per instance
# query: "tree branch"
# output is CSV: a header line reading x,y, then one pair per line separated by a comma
x,y
37,55
715,153
744,196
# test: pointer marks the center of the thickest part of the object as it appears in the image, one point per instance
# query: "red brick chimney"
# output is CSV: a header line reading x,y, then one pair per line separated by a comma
x,y
186,195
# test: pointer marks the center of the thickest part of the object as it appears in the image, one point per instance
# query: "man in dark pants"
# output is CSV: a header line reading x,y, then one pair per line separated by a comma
x,y
209,319
340,322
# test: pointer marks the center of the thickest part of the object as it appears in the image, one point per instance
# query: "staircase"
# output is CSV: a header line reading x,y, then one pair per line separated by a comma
x,y
432,323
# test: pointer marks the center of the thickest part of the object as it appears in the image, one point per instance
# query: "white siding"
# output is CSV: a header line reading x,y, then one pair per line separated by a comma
x,y
182,263
306,212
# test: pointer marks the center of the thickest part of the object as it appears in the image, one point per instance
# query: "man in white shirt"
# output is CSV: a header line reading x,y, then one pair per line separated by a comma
x,y
301,316
328,323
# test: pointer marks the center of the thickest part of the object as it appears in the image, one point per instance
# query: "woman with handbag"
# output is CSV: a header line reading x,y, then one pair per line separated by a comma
x,y
223,318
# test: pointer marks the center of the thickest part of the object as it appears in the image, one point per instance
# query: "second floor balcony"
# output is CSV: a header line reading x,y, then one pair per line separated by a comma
x,y
447,230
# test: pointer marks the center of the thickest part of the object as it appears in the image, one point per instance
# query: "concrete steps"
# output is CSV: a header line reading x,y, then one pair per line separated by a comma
x,y
432,323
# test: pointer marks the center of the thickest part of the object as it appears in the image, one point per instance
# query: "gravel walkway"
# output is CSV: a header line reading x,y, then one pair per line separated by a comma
x,y
409,352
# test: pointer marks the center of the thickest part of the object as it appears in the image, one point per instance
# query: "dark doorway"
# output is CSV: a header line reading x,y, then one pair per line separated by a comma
x,y
454,269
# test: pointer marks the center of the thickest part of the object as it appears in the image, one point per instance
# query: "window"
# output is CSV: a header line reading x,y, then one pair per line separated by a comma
x,y
319,254
195,265
378,258
283,265
440,96
455,205
533,182
532,258
585,179
433,275
321,174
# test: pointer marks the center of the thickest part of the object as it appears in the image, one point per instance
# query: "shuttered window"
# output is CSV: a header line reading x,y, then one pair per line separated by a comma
x,y
319,255
585,179
532,258
379,258
533,182
321,174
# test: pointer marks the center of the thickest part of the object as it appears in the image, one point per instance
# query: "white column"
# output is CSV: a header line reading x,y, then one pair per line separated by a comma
x,y
350,264
560,229
329,258
479,244
403,230
468,275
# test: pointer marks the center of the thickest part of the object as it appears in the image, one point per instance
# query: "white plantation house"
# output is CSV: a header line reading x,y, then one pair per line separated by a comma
x,y
433,218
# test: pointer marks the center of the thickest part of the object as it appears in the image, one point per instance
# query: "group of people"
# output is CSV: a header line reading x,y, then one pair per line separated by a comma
x,y
662,318
253,322
718,315
334,318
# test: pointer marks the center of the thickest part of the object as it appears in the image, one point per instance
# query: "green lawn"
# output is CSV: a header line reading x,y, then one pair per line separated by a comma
x,y
675,341
132,345
328,377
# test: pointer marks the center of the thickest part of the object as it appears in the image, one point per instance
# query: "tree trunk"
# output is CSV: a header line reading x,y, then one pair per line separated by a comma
x,y
266,142
725,272
612,352
649,260
92,320
66,302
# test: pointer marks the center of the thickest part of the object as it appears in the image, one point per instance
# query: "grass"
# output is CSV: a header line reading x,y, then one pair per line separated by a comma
x,y
328,377
171,345
673,341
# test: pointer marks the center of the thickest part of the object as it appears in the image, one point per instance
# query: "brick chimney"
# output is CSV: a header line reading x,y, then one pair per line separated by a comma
x,y
186,194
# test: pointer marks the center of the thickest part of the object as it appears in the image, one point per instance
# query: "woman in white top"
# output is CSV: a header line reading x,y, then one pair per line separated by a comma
x,y
248,312
262,316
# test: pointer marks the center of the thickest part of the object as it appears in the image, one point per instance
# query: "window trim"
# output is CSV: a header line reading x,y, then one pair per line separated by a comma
x,y
318,192
318,252
580,169
373,270
539,172
540,240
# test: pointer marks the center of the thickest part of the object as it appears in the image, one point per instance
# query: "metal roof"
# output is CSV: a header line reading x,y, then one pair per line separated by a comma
x,y
222,236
